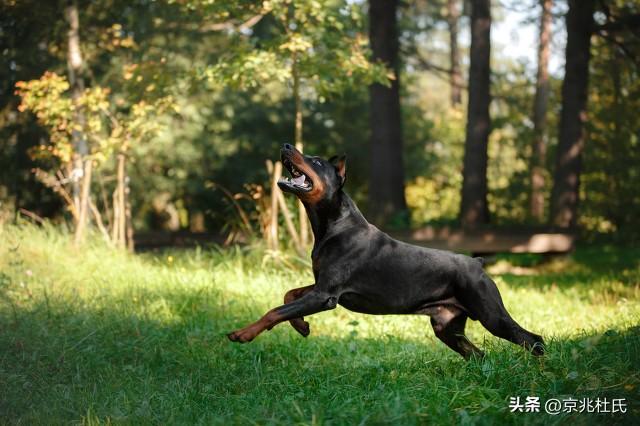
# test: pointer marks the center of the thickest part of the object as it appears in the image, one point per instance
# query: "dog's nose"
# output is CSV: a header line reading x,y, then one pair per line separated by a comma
x,y
287,147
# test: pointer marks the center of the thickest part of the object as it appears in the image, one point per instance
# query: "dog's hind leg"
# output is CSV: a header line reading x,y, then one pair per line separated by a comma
x,y
448,323
485,303
299,324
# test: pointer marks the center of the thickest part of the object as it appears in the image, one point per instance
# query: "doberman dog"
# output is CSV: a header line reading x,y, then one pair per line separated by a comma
x,y
363,269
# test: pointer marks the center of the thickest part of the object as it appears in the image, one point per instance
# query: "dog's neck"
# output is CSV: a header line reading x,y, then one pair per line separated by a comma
x,y
331,217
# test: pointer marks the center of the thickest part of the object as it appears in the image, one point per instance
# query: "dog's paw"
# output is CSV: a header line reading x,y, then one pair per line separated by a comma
x,y
240,336
301,326
538,349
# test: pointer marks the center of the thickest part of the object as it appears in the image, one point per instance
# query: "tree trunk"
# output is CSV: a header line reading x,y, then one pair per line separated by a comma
x,y
474,209
84,202
120,222
386,180
302,213
273,240
566,183
539,149
81,164
117,211
455,75
127,215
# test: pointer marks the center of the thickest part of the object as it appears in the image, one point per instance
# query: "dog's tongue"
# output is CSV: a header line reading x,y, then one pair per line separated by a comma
x,y
299,180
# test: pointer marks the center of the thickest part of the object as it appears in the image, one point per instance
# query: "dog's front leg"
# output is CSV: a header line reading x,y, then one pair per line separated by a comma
x,y
299,324
312,302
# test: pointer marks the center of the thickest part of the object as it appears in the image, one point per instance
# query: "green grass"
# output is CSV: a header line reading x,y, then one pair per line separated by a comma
x,y
92,336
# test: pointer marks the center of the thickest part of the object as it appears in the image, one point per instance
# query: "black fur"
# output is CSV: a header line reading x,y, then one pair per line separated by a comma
x,y
357,266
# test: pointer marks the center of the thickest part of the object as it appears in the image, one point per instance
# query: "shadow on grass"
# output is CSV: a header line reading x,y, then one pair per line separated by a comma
x,y
598,260
62,361
604,274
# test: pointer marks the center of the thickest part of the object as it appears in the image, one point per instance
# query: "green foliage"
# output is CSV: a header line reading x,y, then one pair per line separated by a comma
x,y
610,190
319,40
44,97
198,53
140,339
106,128
435,178
510,143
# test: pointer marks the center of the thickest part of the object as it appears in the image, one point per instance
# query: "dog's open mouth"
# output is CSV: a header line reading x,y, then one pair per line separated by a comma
x,y
298,179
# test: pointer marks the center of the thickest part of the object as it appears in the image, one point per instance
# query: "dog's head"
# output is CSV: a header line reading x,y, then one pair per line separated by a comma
x,y
313,179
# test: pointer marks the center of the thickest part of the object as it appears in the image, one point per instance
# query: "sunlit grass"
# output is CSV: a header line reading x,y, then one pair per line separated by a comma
x,y
92,335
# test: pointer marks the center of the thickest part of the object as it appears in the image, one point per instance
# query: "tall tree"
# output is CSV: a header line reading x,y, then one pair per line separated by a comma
x,y
538,151
455,74
81,174
473,208
566,182
386,179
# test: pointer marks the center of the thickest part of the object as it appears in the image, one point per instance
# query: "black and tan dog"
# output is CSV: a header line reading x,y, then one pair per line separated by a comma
x,y
363,269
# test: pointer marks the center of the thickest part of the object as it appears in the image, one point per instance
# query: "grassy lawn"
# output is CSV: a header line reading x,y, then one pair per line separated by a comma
x,y
94,336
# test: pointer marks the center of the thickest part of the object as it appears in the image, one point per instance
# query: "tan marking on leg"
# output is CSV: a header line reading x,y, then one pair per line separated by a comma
x,y
247,334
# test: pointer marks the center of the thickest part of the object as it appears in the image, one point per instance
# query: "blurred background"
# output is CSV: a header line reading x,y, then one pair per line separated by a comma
x,y
502,128
128,118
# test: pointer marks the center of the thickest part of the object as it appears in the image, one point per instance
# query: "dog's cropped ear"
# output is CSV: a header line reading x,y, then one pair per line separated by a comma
x,y
340,163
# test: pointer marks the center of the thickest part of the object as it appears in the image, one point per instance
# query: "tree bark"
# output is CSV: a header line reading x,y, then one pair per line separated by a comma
x,y
455,75
566,183
74,69
474,209
386,179
273,222
121,222
81,162
84,202
539,148
128,216
302,213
